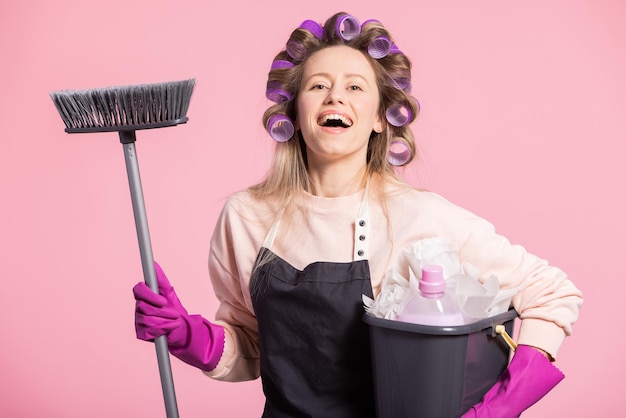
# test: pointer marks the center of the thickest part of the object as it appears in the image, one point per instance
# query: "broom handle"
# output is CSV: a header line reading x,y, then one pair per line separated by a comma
x,y
147,261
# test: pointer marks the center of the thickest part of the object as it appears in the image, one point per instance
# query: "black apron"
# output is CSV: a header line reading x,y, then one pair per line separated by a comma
x,y
314,345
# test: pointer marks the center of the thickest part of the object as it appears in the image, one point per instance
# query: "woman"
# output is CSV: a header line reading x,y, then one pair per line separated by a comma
x,y
292,256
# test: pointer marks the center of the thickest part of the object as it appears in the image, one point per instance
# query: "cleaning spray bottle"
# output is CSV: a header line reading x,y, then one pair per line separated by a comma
x,y
434,304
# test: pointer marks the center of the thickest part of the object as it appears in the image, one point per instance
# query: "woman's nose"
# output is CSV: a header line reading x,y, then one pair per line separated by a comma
x,y
335,95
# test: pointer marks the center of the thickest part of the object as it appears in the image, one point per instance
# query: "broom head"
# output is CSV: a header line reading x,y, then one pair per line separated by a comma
x,y
125,108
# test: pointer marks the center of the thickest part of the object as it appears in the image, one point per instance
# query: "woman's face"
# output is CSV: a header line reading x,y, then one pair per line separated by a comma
x,y
338,105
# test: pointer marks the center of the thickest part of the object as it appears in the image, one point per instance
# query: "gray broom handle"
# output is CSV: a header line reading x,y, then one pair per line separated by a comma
x,y
147,261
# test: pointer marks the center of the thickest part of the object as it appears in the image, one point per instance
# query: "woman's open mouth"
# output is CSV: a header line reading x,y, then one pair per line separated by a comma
x,y
334,120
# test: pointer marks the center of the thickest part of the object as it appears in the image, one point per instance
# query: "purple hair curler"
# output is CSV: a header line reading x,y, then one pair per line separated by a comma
x,y
399,153
351,27
312,26
368,21
379,47
395,50
280,64
296,50
276,92
401,83
280,128
278,95
398,114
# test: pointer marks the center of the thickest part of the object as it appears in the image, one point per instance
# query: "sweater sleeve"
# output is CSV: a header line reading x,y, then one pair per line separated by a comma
x,y
548,302
230,253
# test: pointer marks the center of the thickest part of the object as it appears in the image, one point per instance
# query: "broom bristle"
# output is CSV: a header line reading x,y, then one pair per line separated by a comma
x,y
124,108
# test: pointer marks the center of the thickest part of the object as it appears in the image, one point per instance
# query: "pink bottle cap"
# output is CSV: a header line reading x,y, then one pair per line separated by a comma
x,y
432,283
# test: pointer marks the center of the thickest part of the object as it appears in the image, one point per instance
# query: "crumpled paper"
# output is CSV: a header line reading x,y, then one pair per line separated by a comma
x,y
477,300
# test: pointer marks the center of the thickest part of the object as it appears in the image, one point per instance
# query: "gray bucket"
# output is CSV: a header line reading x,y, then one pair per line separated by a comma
x,y
435,371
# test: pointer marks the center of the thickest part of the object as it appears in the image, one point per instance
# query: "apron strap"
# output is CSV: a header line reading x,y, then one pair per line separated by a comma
x,y
271,234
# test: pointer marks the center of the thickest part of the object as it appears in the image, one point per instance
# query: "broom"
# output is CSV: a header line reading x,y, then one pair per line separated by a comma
x,y
125,110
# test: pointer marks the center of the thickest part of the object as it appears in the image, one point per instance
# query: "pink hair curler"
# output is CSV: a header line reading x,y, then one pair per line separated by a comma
x,y
280,128
399,153
398,115
347,27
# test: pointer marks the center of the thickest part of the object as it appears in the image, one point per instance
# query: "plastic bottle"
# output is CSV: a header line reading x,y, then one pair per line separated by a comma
x,y
434,304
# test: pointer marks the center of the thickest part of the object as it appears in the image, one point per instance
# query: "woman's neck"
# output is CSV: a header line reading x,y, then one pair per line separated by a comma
x,y
337,180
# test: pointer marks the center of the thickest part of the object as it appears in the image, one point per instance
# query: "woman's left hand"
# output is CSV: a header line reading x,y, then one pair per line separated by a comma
x,y
529,377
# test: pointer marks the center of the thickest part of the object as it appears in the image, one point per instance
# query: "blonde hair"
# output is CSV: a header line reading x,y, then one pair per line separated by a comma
x,y
287,175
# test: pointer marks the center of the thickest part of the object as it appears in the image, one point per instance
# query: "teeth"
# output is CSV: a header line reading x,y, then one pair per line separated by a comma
x,y
334,116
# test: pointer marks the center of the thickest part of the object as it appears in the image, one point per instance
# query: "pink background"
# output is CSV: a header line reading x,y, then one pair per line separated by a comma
x,y
523,109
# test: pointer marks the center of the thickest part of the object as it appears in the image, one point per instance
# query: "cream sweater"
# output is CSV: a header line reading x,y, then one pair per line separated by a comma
x,y
322,229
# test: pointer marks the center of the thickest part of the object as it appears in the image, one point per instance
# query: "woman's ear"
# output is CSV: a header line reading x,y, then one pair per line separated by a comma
x,y
379,125
296,125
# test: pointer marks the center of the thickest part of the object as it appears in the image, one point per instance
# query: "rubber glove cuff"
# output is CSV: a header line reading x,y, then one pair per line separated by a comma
x,y
200,343
527,379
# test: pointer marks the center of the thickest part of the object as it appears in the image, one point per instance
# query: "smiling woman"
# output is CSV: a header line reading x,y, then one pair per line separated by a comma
x,y
292,257
376,66
338,111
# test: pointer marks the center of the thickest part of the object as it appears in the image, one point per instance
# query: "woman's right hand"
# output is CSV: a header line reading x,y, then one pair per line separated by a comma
x,y
158,314
191,338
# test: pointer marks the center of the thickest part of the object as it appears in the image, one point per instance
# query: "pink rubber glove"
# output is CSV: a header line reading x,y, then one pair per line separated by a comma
x,y
528,378
191,338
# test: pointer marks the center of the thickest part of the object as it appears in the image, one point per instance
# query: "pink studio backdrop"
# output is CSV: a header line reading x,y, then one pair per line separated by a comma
x,y
522,122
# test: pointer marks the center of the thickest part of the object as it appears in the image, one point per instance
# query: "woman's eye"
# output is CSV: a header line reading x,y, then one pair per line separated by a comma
x,y
319,87
355,88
